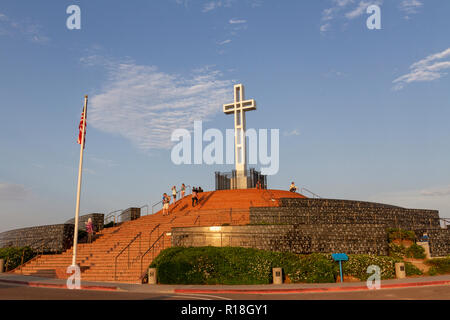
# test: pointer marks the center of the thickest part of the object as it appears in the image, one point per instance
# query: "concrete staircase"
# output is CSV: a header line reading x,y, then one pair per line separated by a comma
x,y
100,260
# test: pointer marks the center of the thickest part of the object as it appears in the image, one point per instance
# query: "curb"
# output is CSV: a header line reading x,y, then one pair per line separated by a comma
x,y
312,290
58,286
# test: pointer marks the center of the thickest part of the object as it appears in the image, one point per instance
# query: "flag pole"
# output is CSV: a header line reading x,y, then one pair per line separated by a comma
x,y
80,169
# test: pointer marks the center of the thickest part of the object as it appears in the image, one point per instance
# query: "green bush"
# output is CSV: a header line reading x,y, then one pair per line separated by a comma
x,y
412,270
397,251
233,265
13,256
401,234
415,251
439,266
357,265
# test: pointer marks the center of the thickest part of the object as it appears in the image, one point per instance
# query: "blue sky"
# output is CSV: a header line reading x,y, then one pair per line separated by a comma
x,y
363,114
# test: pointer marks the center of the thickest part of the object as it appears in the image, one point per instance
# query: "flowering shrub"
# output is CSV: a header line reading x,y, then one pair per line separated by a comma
x,y
357,265
397,251
234,265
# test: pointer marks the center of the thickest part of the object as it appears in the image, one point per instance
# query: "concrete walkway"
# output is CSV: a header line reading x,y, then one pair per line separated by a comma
x,y
251,289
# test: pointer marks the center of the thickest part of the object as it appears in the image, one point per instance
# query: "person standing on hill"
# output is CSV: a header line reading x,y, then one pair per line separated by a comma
x,y
165,201
174,194
292,188
183,191
89,229
194,197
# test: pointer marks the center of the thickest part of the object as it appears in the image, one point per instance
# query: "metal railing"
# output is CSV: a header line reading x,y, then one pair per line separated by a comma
x,y
40,252
188,191
156,245
111,214
144,206
151,232
310,192
138,236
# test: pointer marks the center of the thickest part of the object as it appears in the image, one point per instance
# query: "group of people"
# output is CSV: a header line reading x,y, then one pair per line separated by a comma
x,y
195,192
166,198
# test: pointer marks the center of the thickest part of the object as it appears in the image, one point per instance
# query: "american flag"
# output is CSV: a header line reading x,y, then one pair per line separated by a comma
x,y
80,127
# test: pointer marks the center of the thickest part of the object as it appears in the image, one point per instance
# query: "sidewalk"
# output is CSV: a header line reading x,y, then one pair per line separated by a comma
x,y
249,289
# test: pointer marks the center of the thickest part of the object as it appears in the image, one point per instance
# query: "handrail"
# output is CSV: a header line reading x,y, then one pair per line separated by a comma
x,y
188,187
151,232
198,218
127,247
145,205
309,191
112,215
152,247
42,243
153,206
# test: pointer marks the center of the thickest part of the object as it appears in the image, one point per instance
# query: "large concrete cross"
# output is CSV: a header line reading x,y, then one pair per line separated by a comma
x,y
239,107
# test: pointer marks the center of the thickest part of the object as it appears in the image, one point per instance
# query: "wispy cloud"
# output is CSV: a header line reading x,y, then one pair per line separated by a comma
x,y
428,69
294,132
212,5
216,4
436,192
145,105
9,191
237,21
360,9
221,43
31,31
410,7
345,10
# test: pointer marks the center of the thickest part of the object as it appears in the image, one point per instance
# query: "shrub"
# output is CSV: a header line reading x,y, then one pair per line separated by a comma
x,y
412,270
234,265
401,234
439,266
415,251
357,265
13,256
397,251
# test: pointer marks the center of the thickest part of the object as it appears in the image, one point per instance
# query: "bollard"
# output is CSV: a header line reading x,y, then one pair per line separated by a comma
x,y
151,275
277,276
2,264
400,271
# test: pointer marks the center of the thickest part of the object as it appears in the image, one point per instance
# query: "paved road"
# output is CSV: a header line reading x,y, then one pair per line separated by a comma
x,y
16,292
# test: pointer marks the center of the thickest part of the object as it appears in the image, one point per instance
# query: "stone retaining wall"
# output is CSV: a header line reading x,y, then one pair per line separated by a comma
x,y
55,238
352,239
330,211
97,221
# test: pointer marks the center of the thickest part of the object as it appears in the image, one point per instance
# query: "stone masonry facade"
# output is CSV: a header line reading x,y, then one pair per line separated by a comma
x,y
53,238
321,225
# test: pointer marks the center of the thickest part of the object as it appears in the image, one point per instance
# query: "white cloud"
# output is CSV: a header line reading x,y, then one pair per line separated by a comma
x,y
236,21
427,69
31,31
361,8
212,5
224,42
145,105
294,132
9,191
410,7
344,10
436,192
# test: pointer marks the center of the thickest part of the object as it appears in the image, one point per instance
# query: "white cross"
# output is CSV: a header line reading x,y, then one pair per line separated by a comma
x,y
238,107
